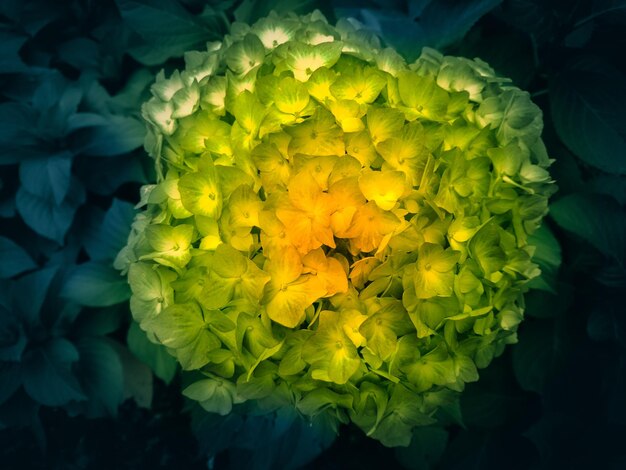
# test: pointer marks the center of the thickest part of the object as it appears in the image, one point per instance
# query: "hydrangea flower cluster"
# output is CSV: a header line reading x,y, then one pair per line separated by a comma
x,y
334,229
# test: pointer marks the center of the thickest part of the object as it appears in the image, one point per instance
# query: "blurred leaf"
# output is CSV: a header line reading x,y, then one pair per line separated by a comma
x,y
531,16
15,260
104,241
30,291
112,135
16,133
100,373
81,53
279,440
535,354
476,450
440,23
48,178
103,176
33,15
95,284
548,256
590,95
597,219
10,379
99,322
10,44
138,378
156,356
47,218
610,185
249,11
606,323
135,92
12,336
547,304
47,373
425,450
168,29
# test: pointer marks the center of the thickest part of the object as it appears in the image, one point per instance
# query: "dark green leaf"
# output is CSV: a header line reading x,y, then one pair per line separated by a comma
x,y
100,373
81,53
156,356
99,322
15,260
106,239
535,354
607,323
546,304
47,373
590,95
166,26
138,378
30,291
103,176
611,185
44,216
12,336
17,138
548,256
116,135
48,178
425,449
10,379
95,284
10,44
440,23
597,219
251,10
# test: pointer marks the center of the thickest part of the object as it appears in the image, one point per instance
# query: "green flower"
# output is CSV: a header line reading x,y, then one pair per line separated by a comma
x,y
333,229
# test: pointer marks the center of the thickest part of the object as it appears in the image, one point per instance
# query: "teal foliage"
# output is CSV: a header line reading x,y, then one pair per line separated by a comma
x,y
73,76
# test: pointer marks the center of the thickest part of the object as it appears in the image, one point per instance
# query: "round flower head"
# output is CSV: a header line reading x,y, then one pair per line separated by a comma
x,y
333,229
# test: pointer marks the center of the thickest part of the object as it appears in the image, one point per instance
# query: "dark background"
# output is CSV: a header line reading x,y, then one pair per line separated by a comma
x,y
76,389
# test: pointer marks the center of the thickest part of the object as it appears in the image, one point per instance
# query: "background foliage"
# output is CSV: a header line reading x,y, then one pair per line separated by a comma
x,y
79,388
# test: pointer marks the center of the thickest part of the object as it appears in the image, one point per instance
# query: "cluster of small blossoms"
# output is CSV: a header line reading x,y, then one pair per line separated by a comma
x,y
334,229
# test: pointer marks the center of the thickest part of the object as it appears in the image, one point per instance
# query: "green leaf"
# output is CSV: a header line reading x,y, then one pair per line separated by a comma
x,y
548,256
47,374
12,336
605,323
114,135
10,379
30,293
48,178
611,185
166,26
440,23
47,218
15,260
535,355
103,176
425,450
249,11
100,373
95,284
598,220
590,95
154,355
111,234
